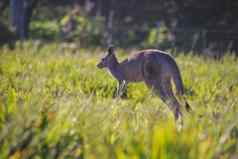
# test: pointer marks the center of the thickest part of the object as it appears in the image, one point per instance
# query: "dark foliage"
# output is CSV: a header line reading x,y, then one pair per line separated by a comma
x,y
194,25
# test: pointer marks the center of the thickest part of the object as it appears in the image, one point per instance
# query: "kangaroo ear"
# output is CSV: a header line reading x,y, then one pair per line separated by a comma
x,y
111,50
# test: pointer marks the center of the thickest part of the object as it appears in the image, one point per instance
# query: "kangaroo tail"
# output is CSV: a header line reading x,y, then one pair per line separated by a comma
x,y
180,89
178,82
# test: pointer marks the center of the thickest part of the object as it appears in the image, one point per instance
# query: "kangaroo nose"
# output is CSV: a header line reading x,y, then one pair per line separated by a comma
x,y
99,65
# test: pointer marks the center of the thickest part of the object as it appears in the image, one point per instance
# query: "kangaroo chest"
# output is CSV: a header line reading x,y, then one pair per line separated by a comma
x,y
116,73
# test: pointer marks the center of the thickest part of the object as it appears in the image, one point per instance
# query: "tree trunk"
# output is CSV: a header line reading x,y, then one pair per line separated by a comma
x,y
21,12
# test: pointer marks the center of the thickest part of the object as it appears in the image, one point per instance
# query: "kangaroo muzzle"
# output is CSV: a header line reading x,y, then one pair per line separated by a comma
x,y
100,65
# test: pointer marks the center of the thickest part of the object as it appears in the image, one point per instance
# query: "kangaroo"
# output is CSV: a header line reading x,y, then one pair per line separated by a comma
x,y
157,69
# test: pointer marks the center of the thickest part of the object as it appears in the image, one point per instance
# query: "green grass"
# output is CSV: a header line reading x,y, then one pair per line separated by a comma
x,y
54,103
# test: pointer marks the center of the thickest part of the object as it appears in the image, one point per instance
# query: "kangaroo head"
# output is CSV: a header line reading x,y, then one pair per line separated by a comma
x,y
108,59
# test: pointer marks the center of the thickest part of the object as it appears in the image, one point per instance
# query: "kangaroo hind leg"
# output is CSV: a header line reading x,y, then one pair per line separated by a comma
x,y
164,89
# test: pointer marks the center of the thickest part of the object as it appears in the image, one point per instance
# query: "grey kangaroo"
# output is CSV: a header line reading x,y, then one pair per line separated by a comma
x,y
156,68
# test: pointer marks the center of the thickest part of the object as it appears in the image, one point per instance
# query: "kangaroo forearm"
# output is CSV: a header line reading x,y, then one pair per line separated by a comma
x,y
122,85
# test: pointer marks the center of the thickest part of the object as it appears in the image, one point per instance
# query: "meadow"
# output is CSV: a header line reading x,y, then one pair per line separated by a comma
x,y
55,103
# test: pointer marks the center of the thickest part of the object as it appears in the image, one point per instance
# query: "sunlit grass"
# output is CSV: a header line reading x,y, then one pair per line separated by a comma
x,y
54,103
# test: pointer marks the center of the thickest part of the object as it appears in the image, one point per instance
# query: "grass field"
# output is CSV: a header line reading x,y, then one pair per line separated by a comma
x,y
54,103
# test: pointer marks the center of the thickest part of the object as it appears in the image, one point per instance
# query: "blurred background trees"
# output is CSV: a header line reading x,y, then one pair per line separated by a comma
x,y
21,12
200,26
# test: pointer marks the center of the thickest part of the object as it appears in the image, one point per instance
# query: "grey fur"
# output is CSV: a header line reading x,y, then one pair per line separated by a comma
x,y
156,68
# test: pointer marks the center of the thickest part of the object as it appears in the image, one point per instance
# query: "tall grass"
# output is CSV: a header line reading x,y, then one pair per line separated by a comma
x,y
54,103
